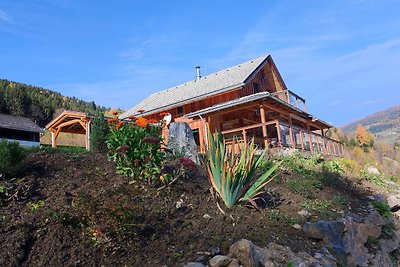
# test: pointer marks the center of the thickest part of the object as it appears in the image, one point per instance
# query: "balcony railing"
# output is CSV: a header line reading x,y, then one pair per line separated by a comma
x,y
292,98
279,134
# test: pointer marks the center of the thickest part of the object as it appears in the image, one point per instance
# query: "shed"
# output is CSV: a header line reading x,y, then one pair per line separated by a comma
x,y
20,129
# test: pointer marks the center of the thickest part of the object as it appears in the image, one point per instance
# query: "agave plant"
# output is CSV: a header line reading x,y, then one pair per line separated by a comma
x,y
233,173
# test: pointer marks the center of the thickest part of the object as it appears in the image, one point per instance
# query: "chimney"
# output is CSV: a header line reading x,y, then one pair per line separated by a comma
x,y
198,76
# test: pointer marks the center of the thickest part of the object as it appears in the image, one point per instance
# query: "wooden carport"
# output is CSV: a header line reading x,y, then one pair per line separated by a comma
x,y
70,122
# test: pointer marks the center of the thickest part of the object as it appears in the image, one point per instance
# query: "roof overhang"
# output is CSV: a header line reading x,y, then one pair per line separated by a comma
x,y
260,98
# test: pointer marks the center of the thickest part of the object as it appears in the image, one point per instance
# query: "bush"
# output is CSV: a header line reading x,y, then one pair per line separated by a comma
x,y
231,174
135,147
98,134
12,158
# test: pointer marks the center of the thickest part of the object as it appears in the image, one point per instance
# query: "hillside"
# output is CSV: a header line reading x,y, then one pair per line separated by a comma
x,y
385,125
37,103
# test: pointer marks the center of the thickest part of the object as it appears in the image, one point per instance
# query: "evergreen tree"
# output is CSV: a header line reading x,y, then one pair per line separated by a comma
x,y
98,133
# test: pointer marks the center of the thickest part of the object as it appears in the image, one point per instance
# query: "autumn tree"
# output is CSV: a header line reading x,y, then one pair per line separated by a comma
x,y
364,138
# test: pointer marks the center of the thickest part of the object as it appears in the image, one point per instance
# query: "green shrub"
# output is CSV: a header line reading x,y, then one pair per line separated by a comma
x,y
233,175
382,208
136,148
98,134
12,158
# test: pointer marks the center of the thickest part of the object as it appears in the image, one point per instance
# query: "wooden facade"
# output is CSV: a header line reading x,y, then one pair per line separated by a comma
x,y
261,108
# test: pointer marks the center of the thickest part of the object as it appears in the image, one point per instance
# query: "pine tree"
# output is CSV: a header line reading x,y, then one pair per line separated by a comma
x,y
98,134
364,138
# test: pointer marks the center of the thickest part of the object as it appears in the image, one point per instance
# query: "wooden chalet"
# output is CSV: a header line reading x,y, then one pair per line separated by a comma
x,y
19,129
249,100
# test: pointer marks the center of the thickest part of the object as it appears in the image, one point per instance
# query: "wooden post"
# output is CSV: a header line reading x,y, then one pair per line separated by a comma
x,y
264,127
279,133
87,135
334,148
309,138
244,136
53,139
301,139
291,131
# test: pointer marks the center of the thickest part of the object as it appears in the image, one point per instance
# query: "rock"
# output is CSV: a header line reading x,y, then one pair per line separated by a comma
x,y
234,263
206,216
303,213
214,251
297,226
179,204
194,264
373,170
393,201
277,255
246,252
220,261
181,141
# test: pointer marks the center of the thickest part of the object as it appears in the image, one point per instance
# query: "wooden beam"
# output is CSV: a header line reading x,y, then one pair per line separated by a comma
x,y
291,132
279,133
264,127
309,138
67,123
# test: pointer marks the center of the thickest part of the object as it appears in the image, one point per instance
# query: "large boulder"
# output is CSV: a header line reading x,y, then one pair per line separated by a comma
x,y
181,141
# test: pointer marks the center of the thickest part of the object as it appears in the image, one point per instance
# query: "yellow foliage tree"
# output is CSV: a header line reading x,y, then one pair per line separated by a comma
x,y
364,138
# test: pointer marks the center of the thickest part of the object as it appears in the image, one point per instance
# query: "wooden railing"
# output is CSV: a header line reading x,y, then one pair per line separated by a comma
x,y
286,136
291,98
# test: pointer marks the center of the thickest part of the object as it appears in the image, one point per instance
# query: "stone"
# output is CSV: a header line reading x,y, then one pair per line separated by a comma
x,y
245,251
194,264
179,204
220,261
206,216
393,201
181,141
234,263
297,226
303,213
214,251
373,170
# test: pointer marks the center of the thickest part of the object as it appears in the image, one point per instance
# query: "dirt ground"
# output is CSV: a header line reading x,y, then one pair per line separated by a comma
x,y
80,213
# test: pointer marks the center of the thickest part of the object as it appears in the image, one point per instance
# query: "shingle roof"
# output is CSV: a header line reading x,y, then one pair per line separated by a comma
x,y
215,83
18,123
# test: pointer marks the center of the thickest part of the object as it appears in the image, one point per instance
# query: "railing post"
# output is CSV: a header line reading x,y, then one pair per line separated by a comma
x,y
244,136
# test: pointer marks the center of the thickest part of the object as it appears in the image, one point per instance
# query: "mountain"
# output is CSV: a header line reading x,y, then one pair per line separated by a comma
x,y
385,125
39,104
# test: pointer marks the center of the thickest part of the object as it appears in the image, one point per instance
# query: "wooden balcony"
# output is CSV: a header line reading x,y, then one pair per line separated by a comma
x,y
292,98
277,134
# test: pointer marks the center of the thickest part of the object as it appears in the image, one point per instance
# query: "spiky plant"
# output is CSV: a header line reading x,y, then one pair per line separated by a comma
x,y
233,173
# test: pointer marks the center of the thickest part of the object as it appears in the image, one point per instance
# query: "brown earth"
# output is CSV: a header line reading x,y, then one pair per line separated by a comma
x,y
80,213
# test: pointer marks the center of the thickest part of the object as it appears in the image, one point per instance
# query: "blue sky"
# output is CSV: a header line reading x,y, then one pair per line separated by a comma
x,y
342,56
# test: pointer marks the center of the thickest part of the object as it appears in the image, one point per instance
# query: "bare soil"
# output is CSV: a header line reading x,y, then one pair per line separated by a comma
x,y
80,213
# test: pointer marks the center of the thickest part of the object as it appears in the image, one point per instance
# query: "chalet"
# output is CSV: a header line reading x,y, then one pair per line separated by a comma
x,y
19,129
249,100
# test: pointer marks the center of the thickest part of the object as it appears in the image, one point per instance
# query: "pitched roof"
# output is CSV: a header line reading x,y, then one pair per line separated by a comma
x,y
18,123
211,84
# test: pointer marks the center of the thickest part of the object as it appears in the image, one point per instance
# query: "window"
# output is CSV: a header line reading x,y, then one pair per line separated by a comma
x,y
179,110
256,88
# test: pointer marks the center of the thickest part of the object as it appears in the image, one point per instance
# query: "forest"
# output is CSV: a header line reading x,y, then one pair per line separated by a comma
x,y
39,104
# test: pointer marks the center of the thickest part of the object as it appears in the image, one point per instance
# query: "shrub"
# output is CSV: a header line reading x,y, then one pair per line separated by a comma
x,y
98,134
231,174
135,147
12,158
